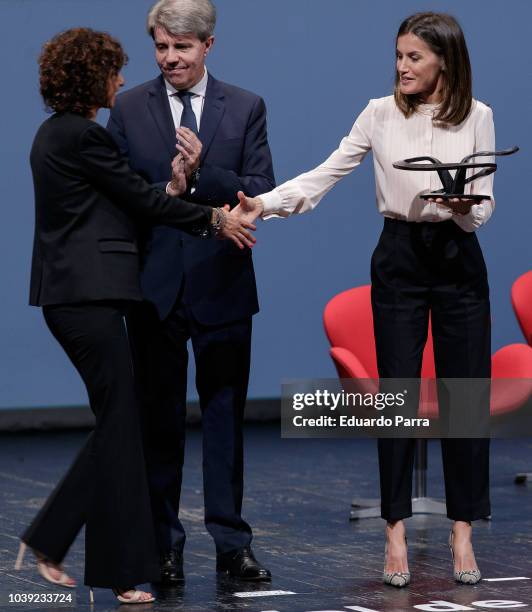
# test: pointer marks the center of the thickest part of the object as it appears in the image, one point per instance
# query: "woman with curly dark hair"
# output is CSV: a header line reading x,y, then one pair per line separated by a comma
x,y
89,206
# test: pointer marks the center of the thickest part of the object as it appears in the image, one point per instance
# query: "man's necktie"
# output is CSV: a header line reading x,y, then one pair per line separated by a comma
x,y
188,118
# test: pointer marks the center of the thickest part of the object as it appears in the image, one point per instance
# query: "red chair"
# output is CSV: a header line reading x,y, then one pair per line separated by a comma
x,y
348,324
522,304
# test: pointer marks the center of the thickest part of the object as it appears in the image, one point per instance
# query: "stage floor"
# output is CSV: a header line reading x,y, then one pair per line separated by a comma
x,y
297,499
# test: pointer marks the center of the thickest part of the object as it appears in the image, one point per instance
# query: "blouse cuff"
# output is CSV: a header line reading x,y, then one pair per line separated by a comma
x,y
272,205
476,217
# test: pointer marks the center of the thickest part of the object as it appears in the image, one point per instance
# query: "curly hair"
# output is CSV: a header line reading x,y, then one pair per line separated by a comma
x,y
75,67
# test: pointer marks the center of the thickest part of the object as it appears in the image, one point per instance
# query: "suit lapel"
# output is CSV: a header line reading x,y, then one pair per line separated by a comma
x,y
160,109
213,111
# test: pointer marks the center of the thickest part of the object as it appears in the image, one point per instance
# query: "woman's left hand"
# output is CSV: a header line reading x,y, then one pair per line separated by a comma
x,y
458,206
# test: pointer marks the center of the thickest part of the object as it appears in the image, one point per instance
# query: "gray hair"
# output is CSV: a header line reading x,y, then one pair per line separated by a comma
x,y
183,17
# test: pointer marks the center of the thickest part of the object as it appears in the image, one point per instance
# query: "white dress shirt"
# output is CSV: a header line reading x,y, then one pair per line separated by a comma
x,y
197,100
383,129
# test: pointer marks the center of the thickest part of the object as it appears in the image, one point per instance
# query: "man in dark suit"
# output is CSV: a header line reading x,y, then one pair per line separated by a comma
x,y
206,294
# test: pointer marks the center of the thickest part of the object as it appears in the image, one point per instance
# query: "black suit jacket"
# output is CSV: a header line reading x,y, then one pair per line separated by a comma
x,y
88,204
219,278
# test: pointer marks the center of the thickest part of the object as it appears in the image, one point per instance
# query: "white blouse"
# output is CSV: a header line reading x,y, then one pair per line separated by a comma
x,y
382,128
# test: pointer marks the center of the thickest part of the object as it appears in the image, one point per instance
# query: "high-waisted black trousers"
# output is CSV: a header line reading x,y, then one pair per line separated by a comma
x,y
436,268
106,487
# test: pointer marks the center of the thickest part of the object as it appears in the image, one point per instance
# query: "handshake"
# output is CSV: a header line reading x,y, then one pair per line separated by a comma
x,y
235,224
228,224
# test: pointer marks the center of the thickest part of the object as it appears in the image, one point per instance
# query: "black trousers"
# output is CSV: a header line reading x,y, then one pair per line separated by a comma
x,y
106,488
222,355
419,268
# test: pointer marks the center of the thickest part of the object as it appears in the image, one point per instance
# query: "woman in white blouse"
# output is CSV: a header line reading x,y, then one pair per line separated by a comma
x,y
427,260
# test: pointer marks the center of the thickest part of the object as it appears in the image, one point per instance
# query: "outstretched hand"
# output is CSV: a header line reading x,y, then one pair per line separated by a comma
x,y
248,208
237,226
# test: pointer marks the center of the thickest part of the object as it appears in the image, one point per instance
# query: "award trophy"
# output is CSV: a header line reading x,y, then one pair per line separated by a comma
x,y
454,187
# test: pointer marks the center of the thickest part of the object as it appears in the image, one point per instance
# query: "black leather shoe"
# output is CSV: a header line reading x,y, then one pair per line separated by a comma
x,y
242,564
171,569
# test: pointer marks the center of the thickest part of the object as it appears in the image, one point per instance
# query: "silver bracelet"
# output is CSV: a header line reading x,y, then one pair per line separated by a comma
x,y
219,221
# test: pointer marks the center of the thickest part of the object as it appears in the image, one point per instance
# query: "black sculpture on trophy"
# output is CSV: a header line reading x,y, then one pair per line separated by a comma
x,y
453,187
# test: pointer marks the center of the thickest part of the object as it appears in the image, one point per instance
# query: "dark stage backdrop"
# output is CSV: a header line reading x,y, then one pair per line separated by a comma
x,y
316,63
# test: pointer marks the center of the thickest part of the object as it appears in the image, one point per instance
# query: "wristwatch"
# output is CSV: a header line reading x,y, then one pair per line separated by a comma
x,y
194,180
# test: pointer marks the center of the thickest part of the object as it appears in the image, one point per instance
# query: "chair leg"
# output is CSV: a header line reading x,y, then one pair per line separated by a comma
x,y
421,504
523,478
365,508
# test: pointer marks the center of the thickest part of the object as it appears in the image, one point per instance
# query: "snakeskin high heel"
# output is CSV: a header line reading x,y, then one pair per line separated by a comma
x,y
463,576
396,579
